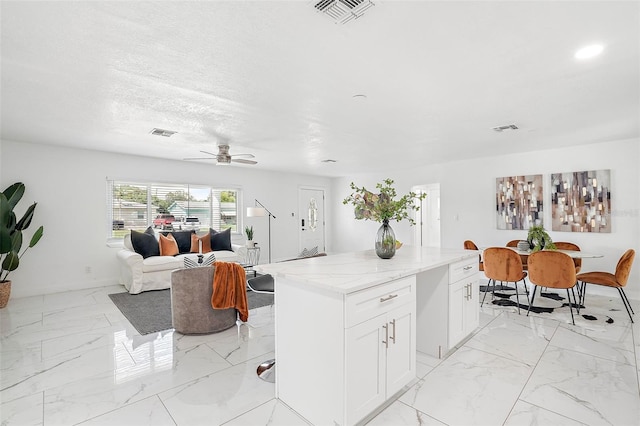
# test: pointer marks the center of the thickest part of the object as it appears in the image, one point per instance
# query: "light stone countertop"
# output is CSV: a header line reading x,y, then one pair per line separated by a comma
x,y
350,272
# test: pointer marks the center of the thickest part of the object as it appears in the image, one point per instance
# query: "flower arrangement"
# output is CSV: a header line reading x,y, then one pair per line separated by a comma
x,y
383,206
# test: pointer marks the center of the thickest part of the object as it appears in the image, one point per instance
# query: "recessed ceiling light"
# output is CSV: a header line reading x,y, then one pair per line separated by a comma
x,y
329,161
589,51
359,96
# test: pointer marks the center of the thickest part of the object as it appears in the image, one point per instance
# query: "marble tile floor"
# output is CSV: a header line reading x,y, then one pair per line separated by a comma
x,y
73,358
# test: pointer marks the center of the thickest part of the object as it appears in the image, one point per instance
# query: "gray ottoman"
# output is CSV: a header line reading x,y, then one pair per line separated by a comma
x,y
191,311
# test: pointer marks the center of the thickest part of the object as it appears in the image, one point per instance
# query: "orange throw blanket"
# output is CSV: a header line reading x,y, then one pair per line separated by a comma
x,y
230,288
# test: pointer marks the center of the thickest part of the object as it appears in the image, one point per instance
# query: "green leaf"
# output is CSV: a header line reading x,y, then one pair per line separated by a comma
x,y
16,241
14,193
5,210
11,262
26,219
5,240
36,236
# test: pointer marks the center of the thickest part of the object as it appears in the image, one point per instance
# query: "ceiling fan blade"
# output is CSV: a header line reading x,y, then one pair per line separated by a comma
x,y
209,153
243,161
244,155
200,158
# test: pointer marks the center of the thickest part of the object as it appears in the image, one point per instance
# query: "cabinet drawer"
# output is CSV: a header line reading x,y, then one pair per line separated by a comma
x,y
372,302
462,269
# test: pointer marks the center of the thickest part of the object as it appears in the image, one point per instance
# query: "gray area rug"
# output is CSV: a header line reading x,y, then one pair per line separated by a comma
x,y
150,311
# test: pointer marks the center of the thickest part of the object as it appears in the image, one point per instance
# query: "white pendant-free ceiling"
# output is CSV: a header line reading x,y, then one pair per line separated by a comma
x,y
279,79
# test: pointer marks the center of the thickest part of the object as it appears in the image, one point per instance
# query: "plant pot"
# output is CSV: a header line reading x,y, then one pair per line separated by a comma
x,y
251,244
385,241
5,292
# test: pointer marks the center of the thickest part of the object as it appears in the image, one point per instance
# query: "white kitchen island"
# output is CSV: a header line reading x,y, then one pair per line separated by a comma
x,y
347,326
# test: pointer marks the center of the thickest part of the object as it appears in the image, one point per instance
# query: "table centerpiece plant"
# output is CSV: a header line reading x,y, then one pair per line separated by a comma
x,y
539,239
11,236
383,207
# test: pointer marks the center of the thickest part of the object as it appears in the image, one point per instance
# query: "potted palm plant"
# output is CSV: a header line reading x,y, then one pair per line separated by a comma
x,y
11,236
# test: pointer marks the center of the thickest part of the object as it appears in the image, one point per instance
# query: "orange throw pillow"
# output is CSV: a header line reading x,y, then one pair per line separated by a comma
x,y
168,246
194,243
206,243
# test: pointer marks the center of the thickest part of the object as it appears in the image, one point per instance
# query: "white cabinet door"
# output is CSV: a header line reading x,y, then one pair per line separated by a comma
x,y
472,308
463,310
458,293
402,348
365,360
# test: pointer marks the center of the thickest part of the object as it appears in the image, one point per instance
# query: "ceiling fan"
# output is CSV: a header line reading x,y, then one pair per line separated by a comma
x,y
223,156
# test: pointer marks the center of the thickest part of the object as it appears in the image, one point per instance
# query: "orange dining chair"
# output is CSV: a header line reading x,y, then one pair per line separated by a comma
x,y
523,259
607,279
504,265
553,269
470,245
572,247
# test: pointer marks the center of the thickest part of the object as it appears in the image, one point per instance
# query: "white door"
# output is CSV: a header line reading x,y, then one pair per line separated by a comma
x,y
311,219
427,229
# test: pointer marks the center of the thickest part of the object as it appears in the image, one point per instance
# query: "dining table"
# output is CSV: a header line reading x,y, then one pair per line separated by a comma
x,y
575,254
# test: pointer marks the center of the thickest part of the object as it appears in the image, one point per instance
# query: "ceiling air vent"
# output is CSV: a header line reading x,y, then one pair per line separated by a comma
x,y
343,11
161,132
505,127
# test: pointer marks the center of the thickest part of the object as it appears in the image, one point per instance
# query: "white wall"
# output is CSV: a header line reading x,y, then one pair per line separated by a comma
x,y
70,188
70,185
468,190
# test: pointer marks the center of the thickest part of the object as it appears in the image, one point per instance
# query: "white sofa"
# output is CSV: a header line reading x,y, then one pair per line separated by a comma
x,y
154,273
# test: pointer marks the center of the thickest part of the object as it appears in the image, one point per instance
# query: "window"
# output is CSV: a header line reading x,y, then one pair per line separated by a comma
x,y
134,205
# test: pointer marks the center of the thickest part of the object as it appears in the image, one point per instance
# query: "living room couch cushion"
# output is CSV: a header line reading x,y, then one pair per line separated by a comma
x,y
145,243
206,243
162,263
168,245
183,239
220,240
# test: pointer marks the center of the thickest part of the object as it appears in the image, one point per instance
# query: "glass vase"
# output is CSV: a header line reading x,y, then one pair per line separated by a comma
x,y
385,241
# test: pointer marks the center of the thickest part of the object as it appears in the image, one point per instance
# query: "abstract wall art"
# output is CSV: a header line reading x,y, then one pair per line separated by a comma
x,y
581,201
519,201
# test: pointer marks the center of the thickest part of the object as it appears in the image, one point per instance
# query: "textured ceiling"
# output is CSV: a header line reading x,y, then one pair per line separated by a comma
x,y
278,79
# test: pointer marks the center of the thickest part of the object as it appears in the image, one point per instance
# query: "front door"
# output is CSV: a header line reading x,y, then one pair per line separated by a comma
x,y
311,220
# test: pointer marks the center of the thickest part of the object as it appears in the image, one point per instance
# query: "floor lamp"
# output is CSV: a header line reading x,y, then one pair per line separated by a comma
x,y
260,212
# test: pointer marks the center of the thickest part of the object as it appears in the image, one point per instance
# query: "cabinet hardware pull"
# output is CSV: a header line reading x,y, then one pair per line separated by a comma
x,y
389,297
393,337
386,336
466,268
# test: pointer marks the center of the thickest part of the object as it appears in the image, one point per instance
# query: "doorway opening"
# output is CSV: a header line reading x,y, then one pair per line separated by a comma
x,y
427,229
